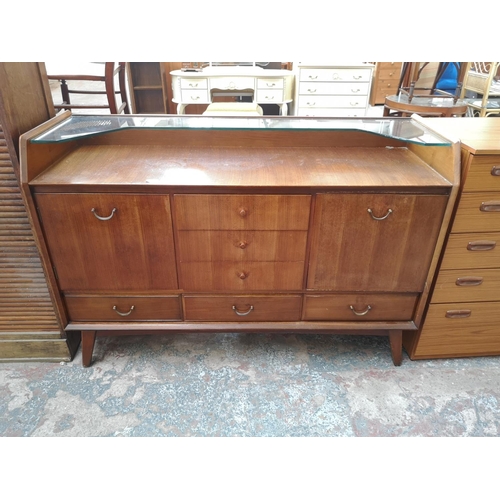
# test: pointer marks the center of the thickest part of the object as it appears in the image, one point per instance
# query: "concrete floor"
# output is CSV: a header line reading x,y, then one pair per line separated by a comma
x,y
245,385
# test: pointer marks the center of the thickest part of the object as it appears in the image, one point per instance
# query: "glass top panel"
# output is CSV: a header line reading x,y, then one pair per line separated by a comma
x,y
77,126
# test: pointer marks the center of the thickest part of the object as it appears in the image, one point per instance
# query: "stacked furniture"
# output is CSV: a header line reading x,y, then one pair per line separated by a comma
x,y
463,318
231,224
385,81
332,90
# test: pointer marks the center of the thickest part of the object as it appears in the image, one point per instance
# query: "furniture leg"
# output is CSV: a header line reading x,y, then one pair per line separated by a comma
x,y
396,341
88,341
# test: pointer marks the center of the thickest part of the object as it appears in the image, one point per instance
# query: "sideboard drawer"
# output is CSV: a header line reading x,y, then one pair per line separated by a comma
x,y
123,308
478,212
242,307
472,250
207,246
278,212
360,307
484,174
461,329
335,74
467,285
241,276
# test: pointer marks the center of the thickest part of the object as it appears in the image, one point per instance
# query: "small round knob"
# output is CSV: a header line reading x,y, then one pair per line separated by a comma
x,y
242,275
243,212
242,244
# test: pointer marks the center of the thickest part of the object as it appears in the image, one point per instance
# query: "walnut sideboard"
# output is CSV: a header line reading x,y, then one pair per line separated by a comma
x,y
207,224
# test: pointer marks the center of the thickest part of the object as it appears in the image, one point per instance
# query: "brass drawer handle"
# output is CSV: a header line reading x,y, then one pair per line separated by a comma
x,y
458,313
495,171
389,212
481,246
123,314
469,281
103,218
242,313
360,313
490,206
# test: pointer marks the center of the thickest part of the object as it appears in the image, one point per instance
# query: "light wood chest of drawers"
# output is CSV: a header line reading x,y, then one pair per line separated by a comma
x,y
230,225
385,81
463,318
336,91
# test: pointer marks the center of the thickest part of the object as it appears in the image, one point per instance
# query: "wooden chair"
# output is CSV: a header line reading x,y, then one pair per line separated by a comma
x,y
89,72
482,78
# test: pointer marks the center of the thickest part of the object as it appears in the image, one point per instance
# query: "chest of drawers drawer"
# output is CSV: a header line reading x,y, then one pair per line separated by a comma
x,y
235,212
484,175
322,88
334,101
242,307
472,251
123,308
335,74
467,285
359,307
462,329
478,212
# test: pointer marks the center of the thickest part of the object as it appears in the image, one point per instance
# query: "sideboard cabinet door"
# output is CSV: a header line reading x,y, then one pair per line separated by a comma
x,y
112,242
373,242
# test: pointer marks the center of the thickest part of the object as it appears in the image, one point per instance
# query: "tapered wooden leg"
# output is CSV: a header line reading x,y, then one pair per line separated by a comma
x,y
396,341
88,341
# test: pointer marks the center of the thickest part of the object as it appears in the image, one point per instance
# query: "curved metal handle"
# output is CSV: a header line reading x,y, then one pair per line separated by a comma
x,y
271,84
313,77
458,313
103,218
312,91
354,103
195,98
389,212
267,98
191,84
244,313
362,313
469,281
311,104
357,77
481,245
355,91
123,314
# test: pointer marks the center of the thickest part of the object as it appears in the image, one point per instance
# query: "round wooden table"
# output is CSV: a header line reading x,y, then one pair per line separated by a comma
x,y
424,106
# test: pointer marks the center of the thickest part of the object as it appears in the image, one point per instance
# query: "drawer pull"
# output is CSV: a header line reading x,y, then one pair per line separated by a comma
x,y
191,84
490,206
389,212
313,77
243,275
269,98
360,313
103,218
242,244
469,281
271,84
354,103
355,91
195,98
311,104
458,314
312,91
243,212
123,314
358,77
495,171
242,313
481,246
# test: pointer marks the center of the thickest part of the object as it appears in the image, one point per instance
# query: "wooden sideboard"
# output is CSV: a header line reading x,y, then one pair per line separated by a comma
x,y
284,224
463,318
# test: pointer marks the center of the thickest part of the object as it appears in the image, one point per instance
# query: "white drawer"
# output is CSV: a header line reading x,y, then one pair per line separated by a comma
x,y
270,83
335,75
195,96
230,83
332,112
333,101
327,88
194,83
270,96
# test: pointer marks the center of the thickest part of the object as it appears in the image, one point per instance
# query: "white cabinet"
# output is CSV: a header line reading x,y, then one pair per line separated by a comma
x,y
324,90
